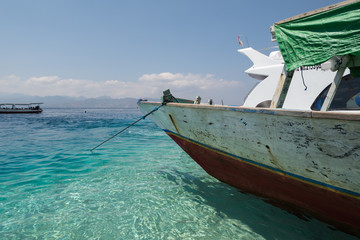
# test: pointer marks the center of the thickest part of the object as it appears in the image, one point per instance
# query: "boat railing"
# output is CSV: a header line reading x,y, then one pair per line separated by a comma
x,y
21,106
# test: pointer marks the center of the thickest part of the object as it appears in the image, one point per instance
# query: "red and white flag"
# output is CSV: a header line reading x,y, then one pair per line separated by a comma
x,y
240,42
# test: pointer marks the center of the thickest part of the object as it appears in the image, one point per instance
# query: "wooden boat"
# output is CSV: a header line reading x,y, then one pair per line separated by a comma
x,y
12,108
296,140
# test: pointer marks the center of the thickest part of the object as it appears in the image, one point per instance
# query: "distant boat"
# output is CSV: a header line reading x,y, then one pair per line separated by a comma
x,y
20,108
296,140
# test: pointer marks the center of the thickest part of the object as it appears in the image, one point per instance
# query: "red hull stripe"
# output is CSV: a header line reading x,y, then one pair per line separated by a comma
x,y
334,205
272,169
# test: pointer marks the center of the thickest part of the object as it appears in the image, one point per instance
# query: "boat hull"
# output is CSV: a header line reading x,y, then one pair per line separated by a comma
x,y
303,161
277,189
12,111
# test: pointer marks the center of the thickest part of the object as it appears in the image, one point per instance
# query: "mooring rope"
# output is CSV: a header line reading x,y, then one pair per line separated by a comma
x,y
143,117
302,76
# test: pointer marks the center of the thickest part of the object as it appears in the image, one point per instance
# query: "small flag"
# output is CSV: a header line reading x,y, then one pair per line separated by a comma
x,y
240,42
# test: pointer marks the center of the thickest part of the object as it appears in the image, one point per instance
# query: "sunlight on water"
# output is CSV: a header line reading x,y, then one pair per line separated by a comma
x,y
140,185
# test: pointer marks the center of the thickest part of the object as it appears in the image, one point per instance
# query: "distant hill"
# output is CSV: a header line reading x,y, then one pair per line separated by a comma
x,y
71,102
95,103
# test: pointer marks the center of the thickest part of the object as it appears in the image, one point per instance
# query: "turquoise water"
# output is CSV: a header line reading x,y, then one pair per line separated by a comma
x,y
139,185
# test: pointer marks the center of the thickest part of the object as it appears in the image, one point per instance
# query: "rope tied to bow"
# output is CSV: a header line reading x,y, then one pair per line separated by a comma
x,y
143,117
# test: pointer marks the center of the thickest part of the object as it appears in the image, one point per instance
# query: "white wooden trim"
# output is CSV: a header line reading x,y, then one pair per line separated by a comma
x,y
334,86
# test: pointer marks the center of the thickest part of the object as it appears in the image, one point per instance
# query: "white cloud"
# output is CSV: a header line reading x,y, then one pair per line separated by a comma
x,y
111,82
181,81
166,76
148,85
40,80
192,85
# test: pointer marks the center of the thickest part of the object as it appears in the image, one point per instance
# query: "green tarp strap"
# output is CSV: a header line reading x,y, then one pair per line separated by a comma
x,y
316,38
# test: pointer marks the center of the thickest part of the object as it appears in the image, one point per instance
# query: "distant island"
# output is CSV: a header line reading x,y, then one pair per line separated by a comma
x,y
72,102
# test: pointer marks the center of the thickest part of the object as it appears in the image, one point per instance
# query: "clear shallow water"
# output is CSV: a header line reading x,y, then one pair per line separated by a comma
x,y
140,185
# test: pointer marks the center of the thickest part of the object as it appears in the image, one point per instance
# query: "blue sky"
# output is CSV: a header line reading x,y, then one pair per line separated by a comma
x,y
135,48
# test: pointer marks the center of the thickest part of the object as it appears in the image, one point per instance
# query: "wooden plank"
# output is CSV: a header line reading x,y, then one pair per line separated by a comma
x,y
349,115
324,9
334,86
282,89
341,115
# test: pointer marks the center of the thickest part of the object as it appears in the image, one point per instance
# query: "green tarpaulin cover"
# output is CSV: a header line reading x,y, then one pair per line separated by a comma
x,y
314,39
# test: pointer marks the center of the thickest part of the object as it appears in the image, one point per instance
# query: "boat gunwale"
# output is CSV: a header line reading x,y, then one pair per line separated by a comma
x,y
351,116
320,10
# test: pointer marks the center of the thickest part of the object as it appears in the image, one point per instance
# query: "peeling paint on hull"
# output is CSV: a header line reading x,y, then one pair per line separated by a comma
x,y
324,202
305,161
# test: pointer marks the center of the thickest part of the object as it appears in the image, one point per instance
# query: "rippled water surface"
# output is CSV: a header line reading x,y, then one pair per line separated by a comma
x,y
139,185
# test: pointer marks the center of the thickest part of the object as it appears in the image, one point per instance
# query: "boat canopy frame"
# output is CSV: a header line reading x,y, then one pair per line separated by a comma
x,y
343,62
23,104
328,34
